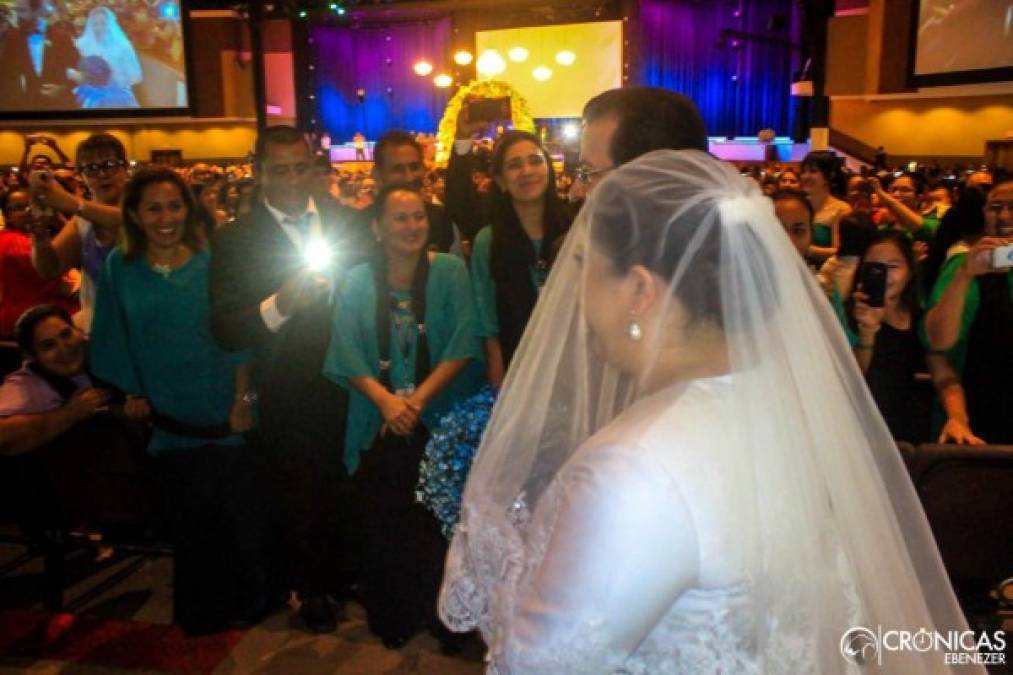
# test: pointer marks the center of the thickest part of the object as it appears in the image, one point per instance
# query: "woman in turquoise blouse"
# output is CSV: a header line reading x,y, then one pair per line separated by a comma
x,y
403,343
512,255
151,338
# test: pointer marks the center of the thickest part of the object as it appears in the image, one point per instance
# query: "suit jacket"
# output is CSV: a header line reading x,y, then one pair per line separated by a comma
x,y
21,83
302,414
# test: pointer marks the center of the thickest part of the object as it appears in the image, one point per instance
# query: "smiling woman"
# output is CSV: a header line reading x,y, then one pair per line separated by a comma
x,y
151,338
512,255
160,220
403,344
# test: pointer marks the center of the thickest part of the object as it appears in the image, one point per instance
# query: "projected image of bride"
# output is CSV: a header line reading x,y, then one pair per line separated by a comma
x,y
103,38
65,55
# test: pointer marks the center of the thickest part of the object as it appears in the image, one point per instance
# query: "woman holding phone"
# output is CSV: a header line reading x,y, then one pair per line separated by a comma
x,y
885,311
971,319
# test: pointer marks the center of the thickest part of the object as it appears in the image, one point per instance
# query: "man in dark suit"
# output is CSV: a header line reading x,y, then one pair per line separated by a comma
x,y
398,159
36,57
267,295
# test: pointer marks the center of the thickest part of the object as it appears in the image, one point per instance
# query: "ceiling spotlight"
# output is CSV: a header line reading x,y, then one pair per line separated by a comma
x,y
541,73
463,57
518,54
443,80
490,63
570,131
565,57
422,68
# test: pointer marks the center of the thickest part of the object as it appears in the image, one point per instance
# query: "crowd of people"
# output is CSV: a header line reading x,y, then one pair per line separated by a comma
x,y
283,336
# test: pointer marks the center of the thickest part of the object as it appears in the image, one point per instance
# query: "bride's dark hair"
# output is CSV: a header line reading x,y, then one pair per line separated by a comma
x,y
658,232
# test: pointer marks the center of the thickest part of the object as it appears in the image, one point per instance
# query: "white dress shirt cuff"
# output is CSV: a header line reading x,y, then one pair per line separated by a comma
x,y
273,319
462,146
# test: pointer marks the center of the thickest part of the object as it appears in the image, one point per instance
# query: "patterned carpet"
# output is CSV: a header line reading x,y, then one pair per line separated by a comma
x,y
126,629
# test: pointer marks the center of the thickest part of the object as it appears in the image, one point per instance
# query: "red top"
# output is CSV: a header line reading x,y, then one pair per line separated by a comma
x,y
21,287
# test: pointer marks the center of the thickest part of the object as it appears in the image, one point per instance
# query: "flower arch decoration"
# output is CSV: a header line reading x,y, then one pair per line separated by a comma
x,y
519,112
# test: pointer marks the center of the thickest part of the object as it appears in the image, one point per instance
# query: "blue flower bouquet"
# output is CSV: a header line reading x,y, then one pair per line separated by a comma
x,y
448,457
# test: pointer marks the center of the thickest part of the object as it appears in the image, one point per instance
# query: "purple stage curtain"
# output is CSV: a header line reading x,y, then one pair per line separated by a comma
x,y
739,89
378,60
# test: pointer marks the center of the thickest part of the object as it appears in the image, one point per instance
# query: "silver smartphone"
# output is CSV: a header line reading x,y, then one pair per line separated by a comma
x,y
1002,257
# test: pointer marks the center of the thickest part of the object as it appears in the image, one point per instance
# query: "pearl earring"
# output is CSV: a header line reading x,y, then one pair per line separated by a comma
x,y
635,332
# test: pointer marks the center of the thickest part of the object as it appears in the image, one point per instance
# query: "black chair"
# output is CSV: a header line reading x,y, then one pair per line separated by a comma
x,y
96,472
967,494
907,453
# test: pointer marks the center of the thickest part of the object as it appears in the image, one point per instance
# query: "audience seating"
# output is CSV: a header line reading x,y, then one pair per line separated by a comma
x,y
967,493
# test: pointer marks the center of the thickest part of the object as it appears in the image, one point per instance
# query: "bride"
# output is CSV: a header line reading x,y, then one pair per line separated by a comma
x,y
684,472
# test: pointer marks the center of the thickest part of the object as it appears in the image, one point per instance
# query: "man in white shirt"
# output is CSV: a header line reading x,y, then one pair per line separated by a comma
x,y
273,274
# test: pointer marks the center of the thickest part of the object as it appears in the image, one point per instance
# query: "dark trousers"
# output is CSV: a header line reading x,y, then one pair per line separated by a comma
x,y
403,548
320,552
217,503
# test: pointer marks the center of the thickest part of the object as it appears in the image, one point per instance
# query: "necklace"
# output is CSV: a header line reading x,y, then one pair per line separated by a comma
x,y
165,269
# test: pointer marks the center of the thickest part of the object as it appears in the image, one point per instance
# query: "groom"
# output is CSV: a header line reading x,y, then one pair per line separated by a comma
x,y
265,298
620,125
36,56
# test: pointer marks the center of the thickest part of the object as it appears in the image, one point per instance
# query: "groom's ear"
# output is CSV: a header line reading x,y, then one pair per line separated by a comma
x,y
645,289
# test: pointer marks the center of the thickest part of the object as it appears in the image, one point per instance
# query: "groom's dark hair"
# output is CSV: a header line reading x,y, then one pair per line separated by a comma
x,y
649,118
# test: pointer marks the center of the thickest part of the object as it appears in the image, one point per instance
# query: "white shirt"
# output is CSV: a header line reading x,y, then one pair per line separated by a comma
x,y
269,313
37,50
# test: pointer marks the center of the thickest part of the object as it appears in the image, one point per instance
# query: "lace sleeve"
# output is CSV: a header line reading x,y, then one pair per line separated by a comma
x,y
622,549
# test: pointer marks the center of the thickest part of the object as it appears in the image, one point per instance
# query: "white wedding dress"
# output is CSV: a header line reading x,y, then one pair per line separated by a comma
x,y
731,525
640,573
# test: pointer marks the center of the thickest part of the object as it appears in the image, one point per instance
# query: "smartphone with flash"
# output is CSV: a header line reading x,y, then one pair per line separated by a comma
x,y
1002,257
872,277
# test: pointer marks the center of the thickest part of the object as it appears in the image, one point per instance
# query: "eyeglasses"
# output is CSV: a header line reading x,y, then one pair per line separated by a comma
x,y
997,207
95,168
585,174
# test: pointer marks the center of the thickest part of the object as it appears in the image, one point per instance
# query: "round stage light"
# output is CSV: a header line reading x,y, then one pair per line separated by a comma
x,y
541,73
566,58
463,57
422,68
570,132
490,63
518,54
443,80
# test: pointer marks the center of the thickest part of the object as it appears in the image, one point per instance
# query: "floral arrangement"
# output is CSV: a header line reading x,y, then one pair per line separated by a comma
x,y
765,135
519,112
448,457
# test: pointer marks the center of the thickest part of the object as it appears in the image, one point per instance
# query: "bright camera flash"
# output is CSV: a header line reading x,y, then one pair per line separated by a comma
x,y
317,254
